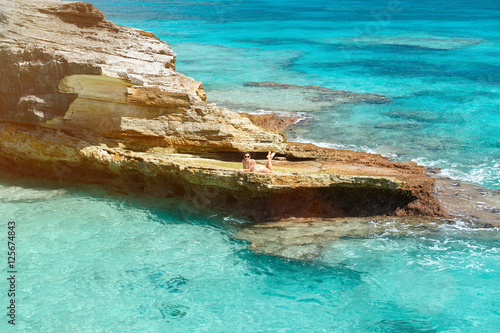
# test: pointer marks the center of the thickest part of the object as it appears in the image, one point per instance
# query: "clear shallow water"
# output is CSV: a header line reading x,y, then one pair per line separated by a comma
x,y
439,62
91,260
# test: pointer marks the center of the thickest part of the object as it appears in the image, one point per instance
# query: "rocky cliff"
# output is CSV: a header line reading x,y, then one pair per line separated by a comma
x,y
66,67
84,99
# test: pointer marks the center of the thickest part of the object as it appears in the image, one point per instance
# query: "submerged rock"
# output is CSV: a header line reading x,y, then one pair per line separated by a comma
x,y
397,126
433,43
305,239
323,94
468,202
173,311
420,116
87,100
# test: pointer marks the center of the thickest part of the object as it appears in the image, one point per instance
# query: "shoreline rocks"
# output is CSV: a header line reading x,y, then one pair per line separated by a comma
x,y
273,122
315,183
87,100
468,202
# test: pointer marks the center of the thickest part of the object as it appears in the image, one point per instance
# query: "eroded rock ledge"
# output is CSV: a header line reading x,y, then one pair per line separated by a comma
x,y
85,99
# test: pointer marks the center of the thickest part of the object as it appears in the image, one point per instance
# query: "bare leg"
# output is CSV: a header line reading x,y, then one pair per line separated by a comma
x,y
269,164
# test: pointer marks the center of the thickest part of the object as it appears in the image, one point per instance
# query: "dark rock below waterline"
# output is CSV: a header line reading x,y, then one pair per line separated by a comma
x,y
420,116
467,202
397,126
326,94
432,43
305,239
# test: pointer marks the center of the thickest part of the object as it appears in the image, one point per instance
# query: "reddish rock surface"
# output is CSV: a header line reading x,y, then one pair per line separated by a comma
x,y
273,122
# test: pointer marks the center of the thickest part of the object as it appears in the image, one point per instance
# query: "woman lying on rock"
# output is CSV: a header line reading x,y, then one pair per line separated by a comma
x,y
249,164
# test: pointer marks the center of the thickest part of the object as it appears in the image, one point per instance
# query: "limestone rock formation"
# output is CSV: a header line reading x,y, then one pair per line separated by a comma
x,y
66,67
85,99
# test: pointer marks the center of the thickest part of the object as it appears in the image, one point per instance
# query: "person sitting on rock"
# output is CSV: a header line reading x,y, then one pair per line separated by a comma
x,y
249,164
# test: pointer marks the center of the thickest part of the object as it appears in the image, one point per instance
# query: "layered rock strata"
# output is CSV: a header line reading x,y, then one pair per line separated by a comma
x,y
85,99
66,67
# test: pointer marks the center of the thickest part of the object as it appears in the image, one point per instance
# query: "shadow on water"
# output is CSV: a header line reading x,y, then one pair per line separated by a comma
x,y
403,325
422,69
16,188
282,267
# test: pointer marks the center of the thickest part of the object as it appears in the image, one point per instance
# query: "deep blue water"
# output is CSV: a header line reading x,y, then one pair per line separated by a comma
x,y
91,260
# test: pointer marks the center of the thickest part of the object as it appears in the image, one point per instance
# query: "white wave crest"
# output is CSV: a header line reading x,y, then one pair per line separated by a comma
x,y
486,173
332,145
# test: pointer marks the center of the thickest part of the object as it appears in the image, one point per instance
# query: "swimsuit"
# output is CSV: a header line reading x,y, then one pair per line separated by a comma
x,y
256,166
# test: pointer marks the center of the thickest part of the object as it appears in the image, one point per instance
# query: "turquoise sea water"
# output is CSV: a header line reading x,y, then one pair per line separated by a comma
x,y
92,260
438,60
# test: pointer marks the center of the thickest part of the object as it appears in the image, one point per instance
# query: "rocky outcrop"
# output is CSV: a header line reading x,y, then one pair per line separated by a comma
x,y
308,238
85,99
316,187
66,67
274,122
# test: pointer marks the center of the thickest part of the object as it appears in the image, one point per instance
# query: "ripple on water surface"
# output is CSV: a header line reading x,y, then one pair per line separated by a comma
x,y
90,259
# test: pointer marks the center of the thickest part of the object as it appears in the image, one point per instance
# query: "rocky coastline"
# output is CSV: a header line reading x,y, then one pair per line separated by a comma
x,y
86,100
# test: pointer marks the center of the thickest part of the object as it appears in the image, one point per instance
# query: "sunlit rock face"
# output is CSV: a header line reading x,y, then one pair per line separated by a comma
x,y
66,67
84,99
